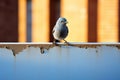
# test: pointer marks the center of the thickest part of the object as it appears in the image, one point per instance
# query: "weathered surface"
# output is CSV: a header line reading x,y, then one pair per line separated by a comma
x,y
45,61
18,47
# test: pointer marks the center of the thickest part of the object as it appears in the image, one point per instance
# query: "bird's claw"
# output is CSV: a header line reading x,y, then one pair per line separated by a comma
x,y
67,44
54,43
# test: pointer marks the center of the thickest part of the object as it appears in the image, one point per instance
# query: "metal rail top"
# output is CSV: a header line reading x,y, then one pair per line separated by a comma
x,y
17,47
50,43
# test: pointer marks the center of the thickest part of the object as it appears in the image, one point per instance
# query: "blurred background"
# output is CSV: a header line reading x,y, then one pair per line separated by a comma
x,y
33,20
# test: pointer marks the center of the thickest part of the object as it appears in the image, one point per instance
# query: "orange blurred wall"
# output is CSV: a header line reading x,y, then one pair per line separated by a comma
x,y
108,20
22,20
40,20
76,13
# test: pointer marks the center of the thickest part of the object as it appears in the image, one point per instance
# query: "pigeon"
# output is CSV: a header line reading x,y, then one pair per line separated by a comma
x,y
60,30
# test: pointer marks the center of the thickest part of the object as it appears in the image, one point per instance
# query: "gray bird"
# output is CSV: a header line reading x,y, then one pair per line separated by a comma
x,y
60,30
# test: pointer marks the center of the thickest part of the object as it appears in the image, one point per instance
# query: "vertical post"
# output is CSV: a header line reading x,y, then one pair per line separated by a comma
x,y
54,15
92,20
29,21
8,20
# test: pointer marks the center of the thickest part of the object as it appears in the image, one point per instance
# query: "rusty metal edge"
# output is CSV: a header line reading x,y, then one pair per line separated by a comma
x,y
17,47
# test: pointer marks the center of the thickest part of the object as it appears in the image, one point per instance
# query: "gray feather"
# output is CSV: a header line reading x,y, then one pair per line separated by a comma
x,y
60,30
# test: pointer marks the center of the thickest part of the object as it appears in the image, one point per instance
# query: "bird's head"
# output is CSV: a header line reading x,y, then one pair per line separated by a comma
x,y
62,21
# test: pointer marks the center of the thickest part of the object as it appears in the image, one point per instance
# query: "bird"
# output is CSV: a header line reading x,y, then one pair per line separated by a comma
x,y
60,30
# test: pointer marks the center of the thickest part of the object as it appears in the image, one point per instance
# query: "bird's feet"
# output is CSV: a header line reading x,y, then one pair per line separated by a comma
x,y
67,44
54,43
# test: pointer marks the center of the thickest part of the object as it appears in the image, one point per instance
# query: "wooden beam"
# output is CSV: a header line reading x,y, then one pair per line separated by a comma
x,y
54,6
8,20
92,20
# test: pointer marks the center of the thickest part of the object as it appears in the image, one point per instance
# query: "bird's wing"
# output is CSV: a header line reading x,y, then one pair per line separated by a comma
x,y
53,30
67,29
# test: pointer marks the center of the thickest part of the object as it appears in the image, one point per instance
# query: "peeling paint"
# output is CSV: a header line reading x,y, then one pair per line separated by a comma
x,y
42,50
76,61
18,47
